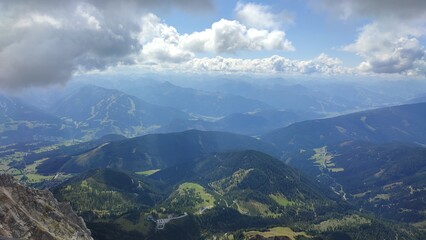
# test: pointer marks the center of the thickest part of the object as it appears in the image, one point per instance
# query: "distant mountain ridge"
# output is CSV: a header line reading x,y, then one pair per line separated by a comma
x,y
260,122
190,100
155,151
404,123
21,122
314,96
97,111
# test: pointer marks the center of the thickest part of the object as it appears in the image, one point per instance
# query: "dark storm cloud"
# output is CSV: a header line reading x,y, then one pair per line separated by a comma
x,y
46,41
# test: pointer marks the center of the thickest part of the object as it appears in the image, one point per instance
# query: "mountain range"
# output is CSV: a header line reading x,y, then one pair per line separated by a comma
x,y
276,166
404,123
153,151
21,122
190,100
96,111
88,112
213,196
374,159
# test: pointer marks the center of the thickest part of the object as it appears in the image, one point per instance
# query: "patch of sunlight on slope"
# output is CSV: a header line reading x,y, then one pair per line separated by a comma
x,y
276,232
281,200
225,185
349,220
148,172
191,196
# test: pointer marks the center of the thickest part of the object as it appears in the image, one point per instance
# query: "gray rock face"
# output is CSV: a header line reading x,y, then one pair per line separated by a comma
x,y
27,213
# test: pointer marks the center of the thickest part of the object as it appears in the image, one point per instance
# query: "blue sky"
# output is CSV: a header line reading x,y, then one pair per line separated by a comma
x,y
48,42
319,28
312,32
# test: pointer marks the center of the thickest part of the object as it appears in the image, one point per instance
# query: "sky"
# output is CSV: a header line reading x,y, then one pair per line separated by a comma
x,y
48,42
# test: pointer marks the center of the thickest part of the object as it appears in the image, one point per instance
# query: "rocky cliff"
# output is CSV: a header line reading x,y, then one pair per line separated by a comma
x,y
27,213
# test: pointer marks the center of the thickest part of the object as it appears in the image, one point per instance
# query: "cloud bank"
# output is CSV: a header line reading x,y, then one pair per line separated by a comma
x,y
322,65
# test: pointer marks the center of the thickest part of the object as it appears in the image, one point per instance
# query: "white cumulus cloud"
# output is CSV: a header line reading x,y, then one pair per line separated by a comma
x,y
227,36
161,42
389,47
390,42
261,16
165,49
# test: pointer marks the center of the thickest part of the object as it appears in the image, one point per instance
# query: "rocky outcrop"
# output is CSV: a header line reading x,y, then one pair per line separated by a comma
x,y
27,213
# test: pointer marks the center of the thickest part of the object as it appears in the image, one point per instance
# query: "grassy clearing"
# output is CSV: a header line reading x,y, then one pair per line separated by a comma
x,y
336,169
281,200
186,187
420,225
276,232
148,172
379,197
32,168
55,146
30,173
333,224
227,184
255,208
321,157
191,197
35,178
392,186
341,129
226,236
141,225
361,195
324,160
363,119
